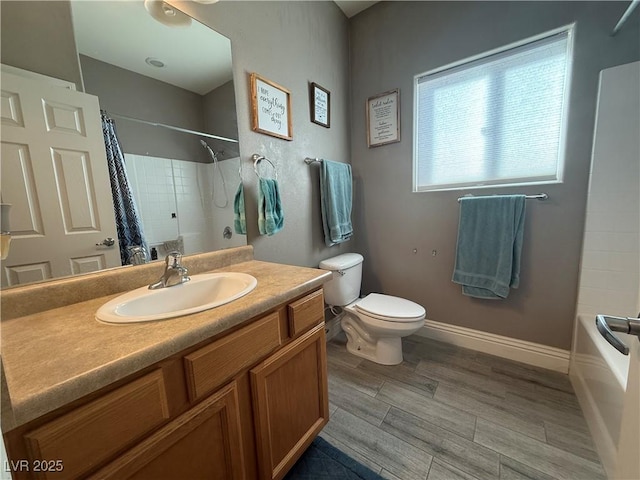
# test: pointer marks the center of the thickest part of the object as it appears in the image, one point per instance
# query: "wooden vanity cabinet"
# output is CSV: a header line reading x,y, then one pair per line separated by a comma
x,y
290,402
243,406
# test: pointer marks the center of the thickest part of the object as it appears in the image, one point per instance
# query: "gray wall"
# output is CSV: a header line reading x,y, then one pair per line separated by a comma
x,y
292,44
38,36
393,41
221,119
128,93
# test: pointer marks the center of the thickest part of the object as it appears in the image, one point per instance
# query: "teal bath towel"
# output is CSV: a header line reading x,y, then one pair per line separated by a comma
x,y
270,214
335,200
490,234
239,220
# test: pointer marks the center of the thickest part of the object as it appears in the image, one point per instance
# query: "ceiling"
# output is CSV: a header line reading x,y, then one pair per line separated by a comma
x,y
138,36
124,34
353,7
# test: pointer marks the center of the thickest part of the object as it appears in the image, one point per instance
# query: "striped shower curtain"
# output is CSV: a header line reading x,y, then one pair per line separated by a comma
x,y
128,222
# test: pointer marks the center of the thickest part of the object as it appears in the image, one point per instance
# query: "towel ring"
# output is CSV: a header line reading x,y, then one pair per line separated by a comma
x,y
257,159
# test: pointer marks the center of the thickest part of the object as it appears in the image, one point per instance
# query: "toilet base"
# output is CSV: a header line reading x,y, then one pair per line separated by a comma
x,y
377,340
386,351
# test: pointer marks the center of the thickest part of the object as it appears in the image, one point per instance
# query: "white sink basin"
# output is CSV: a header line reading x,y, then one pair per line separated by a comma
x,y
201,293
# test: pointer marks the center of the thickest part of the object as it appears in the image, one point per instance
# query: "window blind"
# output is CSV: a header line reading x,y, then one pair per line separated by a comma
x,y
495,120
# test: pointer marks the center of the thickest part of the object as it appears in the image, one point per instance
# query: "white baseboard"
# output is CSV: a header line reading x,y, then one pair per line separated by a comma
x,y
519,350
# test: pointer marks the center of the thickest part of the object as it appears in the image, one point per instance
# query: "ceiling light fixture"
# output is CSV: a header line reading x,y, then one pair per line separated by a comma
x,y
154,62
166,14
205,1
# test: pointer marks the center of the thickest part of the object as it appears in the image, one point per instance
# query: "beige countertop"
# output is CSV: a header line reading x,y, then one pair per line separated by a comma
x,y
53,357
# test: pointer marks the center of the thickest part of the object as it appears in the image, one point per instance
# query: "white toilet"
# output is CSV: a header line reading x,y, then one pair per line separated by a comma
x,y
374,324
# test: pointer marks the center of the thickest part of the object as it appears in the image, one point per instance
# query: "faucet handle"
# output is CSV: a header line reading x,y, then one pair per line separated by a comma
x,y
173,259
137,254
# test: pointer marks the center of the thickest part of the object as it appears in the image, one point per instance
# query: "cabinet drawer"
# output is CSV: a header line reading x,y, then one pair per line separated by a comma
x,y
94,432
306,312
215,364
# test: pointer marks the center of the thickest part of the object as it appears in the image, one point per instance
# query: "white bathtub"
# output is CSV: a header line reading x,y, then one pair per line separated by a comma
x,y
599,374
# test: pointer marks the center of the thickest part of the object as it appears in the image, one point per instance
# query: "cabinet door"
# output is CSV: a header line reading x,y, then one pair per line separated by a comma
x,y
203,443
290,401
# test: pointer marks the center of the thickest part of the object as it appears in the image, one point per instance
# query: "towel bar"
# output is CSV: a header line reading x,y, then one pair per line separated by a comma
x,y
538,196
309,160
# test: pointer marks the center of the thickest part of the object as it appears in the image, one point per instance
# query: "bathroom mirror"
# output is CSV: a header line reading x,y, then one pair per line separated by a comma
x,y
147,73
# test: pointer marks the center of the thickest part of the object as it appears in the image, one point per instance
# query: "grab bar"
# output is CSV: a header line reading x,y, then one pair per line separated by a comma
x,y
607,325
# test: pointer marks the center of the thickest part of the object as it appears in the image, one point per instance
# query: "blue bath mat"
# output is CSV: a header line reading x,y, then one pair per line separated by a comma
x,y
323,461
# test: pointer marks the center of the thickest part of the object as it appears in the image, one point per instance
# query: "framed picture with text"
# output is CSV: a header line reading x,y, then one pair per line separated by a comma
x,y
270,108
320,105
383,118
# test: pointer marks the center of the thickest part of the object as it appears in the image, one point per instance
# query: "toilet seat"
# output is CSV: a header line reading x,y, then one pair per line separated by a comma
x,y
390,309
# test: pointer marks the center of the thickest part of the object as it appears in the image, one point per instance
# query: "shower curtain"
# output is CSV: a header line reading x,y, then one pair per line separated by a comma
x,y
128,222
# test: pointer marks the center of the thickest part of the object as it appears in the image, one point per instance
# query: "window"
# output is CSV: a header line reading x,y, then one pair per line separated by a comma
x,y
495,120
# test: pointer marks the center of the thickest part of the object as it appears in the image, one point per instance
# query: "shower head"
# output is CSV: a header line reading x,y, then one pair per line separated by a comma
x,y
208,148
216,167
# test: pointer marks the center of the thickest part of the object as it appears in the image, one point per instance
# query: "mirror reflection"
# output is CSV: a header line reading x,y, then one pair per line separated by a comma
x,y
168,92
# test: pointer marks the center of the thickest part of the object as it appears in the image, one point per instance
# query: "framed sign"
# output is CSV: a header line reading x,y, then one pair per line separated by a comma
x,y
270,108
320,105
383,118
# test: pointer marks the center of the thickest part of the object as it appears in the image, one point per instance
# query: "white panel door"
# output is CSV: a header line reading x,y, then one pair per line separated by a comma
x,y
54,172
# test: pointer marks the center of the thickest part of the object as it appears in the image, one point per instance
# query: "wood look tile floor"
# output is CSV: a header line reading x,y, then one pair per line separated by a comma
x,y
449,413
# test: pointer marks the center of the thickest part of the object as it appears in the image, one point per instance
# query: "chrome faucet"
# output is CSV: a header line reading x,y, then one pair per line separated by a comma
x,y
174,273
137,255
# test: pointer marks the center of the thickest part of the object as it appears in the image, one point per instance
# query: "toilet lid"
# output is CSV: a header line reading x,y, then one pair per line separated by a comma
x,y
392,309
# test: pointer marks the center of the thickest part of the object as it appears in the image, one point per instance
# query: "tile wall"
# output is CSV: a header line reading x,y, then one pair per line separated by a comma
x,y
184,199
609,282
153,189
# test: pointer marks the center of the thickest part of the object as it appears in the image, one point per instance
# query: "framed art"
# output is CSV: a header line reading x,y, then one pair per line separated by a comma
x,y
320,105
383,118
270,108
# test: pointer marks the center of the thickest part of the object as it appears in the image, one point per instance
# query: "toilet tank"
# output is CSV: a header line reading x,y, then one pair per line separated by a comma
x,y
344,286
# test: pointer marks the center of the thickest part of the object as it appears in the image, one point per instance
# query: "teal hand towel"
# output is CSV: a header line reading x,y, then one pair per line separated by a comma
x,y
239,219
336,200
270,214
490,234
